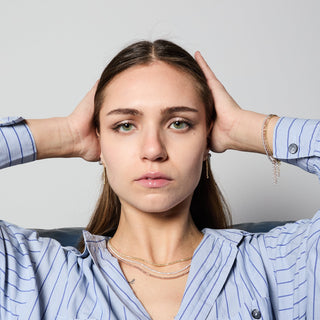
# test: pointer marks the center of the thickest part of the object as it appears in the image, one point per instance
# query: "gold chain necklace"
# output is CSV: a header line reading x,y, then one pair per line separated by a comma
x,y
146,261
155,275
149,271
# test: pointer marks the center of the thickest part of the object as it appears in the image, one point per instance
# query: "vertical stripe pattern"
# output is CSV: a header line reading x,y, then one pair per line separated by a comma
x,y
16,142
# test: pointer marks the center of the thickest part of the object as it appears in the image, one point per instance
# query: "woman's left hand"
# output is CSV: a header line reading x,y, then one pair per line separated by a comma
x,y
234,128
226,108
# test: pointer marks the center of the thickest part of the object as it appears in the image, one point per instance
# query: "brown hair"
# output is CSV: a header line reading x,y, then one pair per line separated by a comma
x,y
208,207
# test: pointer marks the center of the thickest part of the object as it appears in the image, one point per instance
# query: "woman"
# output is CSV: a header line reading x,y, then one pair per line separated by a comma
x,y
154,124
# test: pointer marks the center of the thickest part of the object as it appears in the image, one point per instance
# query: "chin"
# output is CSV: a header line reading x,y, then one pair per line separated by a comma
x,y
154,208
161,205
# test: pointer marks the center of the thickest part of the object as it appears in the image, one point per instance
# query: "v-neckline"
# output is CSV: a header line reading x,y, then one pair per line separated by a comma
x,y
210,265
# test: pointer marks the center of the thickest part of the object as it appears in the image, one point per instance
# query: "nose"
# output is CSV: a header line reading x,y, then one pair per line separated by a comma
x,y
153,146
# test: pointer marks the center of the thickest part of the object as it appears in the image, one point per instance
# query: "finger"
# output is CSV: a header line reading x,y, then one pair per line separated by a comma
x,y
205,67
213,82
93,90
88,99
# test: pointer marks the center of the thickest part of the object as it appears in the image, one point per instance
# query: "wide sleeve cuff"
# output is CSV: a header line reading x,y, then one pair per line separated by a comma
x,y
297,141
17,144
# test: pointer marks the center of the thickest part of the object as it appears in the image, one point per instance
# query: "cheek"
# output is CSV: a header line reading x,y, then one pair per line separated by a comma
x,y
188,160
190,151
192,168
118,159
115,157
116,172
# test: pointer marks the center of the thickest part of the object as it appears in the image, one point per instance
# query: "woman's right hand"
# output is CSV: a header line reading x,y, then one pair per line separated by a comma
x,y
81,126
71,136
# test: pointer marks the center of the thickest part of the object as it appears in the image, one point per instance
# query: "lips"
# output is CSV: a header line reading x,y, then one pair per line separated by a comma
x,y
153,180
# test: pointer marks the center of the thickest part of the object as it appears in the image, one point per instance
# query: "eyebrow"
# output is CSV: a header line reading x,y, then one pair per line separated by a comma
x,y
131,111
167,111
171,110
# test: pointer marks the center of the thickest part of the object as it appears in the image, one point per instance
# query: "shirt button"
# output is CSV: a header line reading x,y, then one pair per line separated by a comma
x,y
256,314
293,148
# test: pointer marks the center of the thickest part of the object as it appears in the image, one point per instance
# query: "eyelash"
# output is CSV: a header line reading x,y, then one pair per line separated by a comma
x,y
118,126
189,125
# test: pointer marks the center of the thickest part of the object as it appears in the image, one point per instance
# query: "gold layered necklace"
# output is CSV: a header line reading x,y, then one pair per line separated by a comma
x,y
144,266
146,261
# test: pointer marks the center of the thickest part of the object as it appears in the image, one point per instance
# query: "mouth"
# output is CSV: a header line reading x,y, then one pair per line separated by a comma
x,y
153,180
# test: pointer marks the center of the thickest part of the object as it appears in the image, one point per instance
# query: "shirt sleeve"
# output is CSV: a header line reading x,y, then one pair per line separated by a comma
x,y
291,256
297,141
17,144
33,273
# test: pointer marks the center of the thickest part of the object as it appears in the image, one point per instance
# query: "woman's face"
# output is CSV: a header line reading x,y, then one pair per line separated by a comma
x,y
153,137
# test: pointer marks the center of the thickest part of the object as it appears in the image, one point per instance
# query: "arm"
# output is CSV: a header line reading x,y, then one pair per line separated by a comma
x,y
295,141
72,136
16,142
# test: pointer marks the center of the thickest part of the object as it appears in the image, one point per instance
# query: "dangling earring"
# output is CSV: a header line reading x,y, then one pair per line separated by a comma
x,y
104,175
207,165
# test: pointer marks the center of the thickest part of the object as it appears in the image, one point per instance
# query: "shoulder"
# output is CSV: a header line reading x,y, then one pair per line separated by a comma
x,y
286,238
12,236
20,243
230,236
293,234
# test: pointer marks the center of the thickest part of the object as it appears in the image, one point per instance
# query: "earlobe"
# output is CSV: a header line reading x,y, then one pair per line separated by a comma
x,y
207,155
101,161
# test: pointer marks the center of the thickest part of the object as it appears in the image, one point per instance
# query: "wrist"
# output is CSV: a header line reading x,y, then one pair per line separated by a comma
x,y
246,135
53,137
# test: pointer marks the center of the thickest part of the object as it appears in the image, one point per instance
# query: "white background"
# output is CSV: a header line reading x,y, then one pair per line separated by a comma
x,y
51,52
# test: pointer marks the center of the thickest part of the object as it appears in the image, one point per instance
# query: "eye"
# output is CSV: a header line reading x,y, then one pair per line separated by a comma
x,y
124,127
179,125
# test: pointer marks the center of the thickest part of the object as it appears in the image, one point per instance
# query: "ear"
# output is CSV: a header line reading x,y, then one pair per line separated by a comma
x,y
101,161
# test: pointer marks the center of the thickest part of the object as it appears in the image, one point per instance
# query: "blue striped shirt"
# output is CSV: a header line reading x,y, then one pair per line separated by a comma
x,y
233,275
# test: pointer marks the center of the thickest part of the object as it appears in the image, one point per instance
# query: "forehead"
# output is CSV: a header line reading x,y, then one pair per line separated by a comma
x,y
156,84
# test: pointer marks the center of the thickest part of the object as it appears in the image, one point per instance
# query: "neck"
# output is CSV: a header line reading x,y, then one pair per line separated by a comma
x,y
157,237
